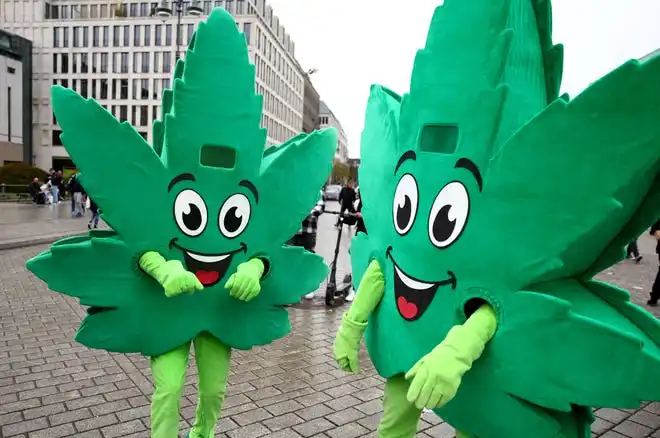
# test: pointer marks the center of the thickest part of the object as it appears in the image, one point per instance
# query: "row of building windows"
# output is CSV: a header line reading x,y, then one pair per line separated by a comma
x,y
145,89
137,9
113,62
121,36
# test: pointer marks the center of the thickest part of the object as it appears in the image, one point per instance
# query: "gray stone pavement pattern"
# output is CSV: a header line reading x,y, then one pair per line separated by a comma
x,y
52,387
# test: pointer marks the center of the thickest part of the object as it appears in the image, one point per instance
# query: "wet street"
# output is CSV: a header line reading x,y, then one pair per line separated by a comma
x,y
52,387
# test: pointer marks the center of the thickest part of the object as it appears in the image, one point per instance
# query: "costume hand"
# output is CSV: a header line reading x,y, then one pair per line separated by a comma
x,y
435,378
347,344
244,284
176,280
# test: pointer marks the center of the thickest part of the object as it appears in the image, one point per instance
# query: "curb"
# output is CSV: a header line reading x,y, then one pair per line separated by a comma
x,y
38,240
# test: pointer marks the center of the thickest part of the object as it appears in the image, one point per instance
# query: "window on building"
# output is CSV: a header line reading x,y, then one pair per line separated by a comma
x,y
144,115
83,88
124,62
76,36
47,11
157,63
94,11
9,113
106,36
136,63
85,36
133,10
64,68
116,37
64,83
191,31
127,36
55,63
56,37
158,35
94,95
55,139
136,35
134,115
84,63
207,7
74,62
116,66
65,37
144,89
145,62
167,62
64,11
168,34
247,30
105,12
96,36
147,35
240,7
154,112
144,9
104,62
229,6
104,88
123,113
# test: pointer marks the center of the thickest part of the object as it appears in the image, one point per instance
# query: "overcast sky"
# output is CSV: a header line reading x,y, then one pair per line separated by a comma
x,y
355,43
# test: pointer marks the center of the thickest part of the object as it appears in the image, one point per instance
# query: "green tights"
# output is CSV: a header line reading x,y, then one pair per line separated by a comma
x,y
400,418
169,372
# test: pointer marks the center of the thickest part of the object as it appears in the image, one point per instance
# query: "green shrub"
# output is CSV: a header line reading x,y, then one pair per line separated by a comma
x,y
17,176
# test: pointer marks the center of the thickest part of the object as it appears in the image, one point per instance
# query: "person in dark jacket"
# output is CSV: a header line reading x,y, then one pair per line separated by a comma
x,y
346,200
655,289
77,193
359,226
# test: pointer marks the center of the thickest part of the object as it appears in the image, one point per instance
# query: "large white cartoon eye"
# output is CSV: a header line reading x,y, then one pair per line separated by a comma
x,y
234,215
449,214
190,213
404,208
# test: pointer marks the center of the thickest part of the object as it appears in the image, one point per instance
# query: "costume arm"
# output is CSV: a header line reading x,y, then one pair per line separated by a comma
x,y
469,340
174,278
369,294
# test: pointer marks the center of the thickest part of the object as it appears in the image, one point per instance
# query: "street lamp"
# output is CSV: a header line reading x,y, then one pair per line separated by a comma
x,y
164,13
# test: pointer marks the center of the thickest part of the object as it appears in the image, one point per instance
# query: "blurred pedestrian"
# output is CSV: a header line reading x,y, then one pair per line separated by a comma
x,y
632,252
655,289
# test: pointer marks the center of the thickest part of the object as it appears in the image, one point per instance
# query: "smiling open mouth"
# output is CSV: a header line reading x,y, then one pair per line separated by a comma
x,y
414,296
208,268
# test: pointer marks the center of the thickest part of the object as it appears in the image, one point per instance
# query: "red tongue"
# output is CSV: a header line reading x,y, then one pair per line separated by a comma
x,y
408,310
209,277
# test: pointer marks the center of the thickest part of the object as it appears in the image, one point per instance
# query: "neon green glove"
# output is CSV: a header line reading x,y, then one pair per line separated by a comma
x,y
171,274
367,298
437,376
244,284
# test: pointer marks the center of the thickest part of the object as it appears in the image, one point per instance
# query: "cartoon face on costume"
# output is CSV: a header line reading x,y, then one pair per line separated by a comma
x,y
443,217
204,192
210,235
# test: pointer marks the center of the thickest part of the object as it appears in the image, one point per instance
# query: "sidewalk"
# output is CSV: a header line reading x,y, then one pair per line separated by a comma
x,y
26,224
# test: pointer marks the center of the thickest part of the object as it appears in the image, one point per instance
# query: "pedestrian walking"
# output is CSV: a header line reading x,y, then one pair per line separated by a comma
x,y
655,289
632,252
94,220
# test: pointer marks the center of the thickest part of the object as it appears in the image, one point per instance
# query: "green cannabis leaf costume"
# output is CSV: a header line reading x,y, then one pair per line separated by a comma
x,y
205,211
491,202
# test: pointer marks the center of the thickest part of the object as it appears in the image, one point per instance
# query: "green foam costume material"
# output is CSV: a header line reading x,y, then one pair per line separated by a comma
x,y
206,190
483,184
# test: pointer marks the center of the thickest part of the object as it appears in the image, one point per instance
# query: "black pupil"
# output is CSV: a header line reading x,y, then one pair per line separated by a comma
x,y
403,213
193,219
233,220
443,227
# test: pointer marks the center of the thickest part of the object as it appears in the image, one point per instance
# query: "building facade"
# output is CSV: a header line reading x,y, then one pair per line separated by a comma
x,y
312,106
15,99
328,119
121,54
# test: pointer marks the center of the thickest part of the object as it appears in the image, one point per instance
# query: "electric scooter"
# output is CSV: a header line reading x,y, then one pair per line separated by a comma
x,y
335,294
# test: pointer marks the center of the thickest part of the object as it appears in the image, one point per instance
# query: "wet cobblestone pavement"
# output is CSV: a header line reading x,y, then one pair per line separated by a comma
x,y
52,387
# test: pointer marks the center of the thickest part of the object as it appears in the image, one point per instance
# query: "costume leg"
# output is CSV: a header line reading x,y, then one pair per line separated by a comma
x,y
400,418
212,357
169,371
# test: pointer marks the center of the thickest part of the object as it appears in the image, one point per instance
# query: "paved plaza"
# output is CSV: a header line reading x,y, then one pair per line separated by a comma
x,y
52,387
